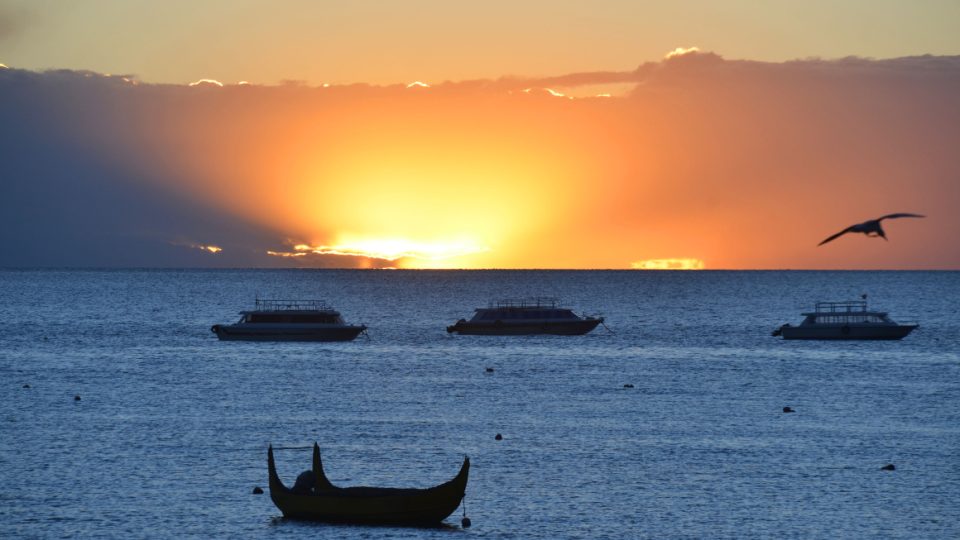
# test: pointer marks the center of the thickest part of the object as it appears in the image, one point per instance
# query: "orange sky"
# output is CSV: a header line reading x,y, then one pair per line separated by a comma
x,y
543,134
728,163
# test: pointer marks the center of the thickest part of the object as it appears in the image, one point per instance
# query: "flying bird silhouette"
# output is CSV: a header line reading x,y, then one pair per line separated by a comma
x,y
870,228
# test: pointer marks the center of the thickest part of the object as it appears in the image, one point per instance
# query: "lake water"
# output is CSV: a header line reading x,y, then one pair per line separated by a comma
x,y
170,435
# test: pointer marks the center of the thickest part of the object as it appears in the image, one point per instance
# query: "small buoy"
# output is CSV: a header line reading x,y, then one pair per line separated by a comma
x,y
26,386
489,370
257,490
76,397
465,522
788,409
499,437
628,385
888,467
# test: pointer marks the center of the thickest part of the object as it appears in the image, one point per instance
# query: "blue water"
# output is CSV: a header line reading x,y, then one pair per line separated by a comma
x,y
170,435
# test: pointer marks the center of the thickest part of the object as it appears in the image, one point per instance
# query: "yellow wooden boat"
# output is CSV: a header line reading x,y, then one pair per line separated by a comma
x,y
317,499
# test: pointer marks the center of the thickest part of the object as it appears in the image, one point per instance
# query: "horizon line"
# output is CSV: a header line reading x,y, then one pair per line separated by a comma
x,y
390,269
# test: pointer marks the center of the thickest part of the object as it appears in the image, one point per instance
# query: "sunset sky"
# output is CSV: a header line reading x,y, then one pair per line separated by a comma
x,y
429,134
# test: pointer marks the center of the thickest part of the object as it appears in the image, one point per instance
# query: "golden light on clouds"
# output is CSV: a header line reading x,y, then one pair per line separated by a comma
x,y
209,248
412,254
418,84
546,91
680,51
668,264
286,254
205,82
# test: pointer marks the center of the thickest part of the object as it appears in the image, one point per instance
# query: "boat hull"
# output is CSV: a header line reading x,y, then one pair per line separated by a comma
x,y
371,506
272,332
848,332
523,328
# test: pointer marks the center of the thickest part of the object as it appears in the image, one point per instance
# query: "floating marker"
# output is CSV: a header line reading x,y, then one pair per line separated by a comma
x,y
788,409
888,467
499,437
257,490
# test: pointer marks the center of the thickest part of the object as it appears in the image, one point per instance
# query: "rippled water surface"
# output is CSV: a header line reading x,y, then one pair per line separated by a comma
x,y
170,435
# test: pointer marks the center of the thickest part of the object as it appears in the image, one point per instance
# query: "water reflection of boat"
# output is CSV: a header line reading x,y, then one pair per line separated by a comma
x,y
289,320
315,498
845,320
525,316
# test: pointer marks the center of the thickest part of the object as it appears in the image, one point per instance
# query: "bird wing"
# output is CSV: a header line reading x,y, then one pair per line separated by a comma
x,y
892,216
839,234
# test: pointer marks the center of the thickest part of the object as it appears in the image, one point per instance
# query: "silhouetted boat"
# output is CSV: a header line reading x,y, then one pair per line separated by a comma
x,y
845,320
314,498
289,320
525,316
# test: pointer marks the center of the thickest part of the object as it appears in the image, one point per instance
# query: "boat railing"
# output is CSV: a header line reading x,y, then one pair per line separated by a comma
x,y
848,306
291,305
540,302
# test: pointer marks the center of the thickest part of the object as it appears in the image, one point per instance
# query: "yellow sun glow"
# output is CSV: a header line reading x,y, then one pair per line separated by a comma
x,y
437,189
427,203
668,264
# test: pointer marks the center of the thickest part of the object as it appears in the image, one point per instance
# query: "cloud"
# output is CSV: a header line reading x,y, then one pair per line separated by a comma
x,y
209,248
737,162
389,249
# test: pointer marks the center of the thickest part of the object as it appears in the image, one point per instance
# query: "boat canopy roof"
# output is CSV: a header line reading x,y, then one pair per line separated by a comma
x,y
266,305
532,302
847,307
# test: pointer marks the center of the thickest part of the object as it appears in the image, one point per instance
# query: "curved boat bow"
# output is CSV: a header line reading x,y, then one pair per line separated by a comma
x,y
324,501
